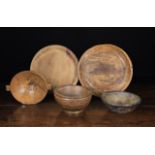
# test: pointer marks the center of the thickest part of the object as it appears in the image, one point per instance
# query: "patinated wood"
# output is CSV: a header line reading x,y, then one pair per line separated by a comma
x,y
121,102
49,113
57,64
73,99
28,88
105,68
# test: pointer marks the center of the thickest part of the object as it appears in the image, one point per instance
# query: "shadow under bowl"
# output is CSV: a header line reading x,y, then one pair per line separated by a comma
x,y
73,99
121,102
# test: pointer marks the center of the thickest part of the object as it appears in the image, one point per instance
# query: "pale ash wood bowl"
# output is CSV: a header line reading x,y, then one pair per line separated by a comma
x,y
121,102
73,99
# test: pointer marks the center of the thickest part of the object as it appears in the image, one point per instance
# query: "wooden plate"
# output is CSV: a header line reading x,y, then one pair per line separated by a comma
x,y
105,68
57,64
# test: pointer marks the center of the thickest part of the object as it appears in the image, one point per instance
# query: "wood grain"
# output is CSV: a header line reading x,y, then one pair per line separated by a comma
x,y
28,88
73,99
105,68
57,64
49,113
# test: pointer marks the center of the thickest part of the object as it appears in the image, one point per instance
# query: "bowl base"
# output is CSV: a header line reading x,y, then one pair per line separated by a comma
x,y
122,110
73,113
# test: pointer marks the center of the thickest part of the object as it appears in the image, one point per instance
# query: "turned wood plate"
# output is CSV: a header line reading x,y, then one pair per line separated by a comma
x,y
57,64
105,68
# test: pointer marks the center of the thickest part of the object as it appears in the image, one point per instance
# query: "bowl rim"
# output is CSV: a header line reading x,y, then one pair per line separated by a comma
x,y
139,100
68,97
17,98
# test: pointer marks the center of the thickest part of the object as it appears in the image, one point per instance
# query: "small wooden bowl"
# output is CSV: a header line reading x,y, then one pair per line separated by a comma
x,y
28,87
73,99
121,102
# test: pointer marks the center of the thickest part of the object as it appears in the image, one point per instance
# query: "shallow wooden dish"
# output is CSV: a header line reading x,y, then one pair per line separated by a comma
x,y
121,102
28,88
73,99
105,68
57,64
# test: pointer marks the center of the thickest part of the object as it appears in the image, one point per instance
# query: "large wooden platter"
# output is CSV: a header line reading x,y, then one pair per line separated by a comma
x,y
57,64
105,68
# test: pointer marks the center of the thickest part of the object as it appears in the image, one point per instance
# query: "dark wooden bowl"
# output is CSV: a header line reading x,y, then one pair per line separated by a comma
x,y
121,102
28,88
73,99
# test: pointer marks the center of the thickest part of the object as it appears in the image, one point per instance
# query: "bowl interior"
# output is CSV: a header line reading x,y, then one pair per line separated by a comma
x,y
76,92
121,98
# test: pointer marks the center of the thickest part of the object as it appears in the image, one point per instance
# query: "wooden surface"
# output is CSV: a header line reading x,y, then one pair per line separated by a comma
x,y
48,113
104,68
73,99
28,88
57,64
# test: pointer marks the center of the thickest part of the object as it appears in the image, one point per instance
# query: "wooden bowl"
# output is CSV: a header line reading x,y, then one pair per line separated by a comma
x,y
73,99
121,102
28,88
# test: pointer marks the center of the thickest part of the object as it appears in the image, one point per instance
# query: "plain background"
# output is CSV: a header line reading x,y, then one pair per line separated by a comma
x,y
19,45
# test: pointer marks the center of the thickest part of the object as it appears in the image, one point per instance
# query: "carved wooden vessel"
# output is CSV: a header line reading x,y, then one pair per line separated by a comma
x,y
105,68
73,99
121,102
28,88
57,64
